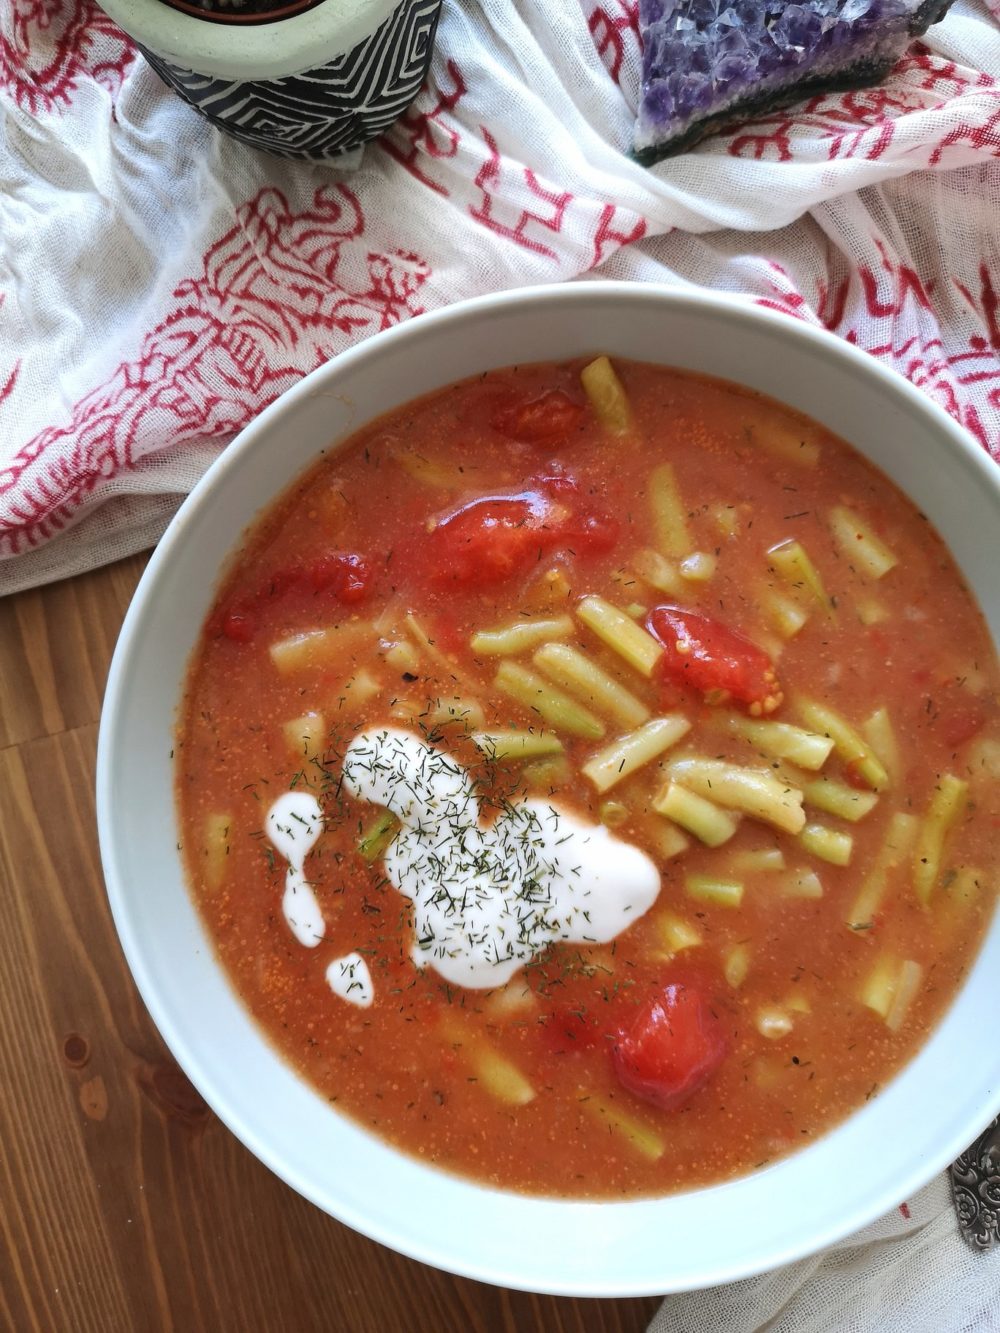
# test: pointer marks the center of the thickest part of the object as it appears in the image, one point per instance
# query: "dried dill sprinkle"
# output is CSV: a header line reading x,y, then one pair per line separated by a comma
x,y
488,896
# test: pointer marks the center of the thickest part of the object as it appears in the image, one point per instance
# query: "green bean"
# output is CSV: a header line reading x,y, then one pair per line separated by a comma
x,y
402,657
800,884
895,848
501,745
859,545
705,820
698,567
736,965
575,672
216,848
467,713
669,512
613,814
792,562
712,889
908,982
547,774
828,844
944,808
780,740
319,647
837,798
519,636
788,441
658,572
501,1079
622,635
556,708
607,396
305,735
676,934
786,616
754,791
633,750
879,988
752,860
375,840
669,840
637,1135
878,732
851,748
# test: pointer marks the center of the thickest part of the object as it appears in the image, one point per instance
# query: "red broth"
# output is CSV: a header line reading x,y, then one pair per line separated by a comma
x,y
772,576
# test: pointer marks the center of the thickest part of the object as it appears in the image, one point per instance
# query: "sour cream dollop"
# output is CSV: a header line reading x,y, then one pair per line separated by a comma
x,y
350,978
488,900
293,824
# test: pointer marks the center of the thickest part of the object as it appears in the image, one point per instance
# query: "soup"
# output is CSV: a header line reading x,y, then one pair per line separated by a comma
x,y
587,776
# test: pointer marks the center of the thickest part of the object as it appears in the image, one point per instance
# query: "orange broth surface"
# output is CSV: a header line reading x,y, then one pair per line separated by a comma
x,y
799,992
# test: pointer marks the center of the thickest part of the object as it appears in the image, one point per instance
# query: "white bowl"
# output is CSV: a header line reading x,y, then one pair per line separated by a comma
x,y
879,1156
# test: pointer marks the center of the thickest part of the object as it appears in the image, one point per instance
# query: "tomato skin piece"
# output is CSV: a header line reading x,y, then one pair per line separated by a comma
x,y
495,537
953,714
544,419
708,656
489,539
671,1049
347,575
344,575
555,479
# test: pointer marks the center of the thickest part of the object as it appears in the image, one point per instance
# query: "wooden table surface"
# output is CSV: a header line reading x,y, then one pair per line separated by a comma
x,y
124,1204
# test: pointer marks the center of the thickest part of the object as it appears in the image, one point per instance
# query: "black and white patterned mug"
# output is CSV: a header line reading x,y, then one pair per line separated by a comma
x,y
313,79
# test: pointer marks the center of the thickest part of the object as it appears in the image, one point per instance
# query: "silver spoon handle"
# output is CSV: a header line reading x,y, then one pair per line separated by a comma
x,y
975,1187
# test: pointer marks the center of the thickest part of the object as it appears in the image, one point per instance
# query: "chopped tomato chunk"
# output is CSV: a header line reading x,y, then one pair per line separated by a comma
x,y
487,540
544,419
346,575
954,713
491,539
673,1047
343,575
712,658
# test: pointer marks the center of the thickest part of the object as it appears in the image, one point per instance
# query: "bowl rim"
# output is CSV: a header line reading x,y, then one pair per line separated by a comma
x,y
250,52
743,310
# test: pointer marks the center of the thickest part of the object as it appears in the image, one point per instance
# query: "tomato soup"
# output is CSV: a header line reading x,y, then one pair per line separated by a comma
x,y
587,775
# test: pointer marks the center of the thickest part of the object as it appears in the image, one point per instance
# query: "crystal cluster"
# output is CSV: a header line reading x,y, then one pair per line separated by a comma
x,y
708,61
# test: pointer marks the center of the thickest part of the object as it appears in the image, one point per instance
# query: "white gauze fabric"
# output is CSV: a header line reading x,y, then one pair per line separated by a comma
x,y
909,1272
159,284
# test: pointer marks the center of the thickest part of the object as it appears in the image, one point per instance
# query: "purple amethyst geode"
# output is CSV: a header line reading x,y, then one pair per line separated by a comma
x,y
708,62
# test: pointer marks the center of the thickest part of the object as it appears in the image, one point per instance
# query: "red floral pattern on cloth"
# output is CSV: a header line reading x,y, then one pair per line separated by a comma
x,y
191,280
228,347
48,48
892,294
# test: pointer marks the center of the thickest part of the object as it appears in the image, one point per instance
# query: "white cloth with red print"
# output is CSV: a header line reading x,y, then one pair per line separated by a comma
x,y
159,284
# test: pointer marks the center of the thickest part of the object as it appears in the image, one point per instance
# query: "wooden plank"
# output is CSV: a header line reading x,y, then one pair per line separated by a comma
x,y
55,649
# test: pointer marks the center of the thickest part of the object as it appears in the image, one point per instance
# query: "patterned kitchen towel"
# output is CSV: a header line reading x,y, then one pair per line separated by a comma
x,y
160,284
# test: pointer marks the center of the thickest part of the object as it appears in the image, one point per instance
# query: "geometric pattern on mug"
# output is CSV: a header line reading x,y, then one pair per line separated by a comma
x,y
323,111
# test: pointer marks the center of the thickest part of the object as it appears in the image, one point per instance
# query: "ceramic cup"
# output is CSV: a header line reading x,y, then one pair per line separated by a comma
x,y
311,80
